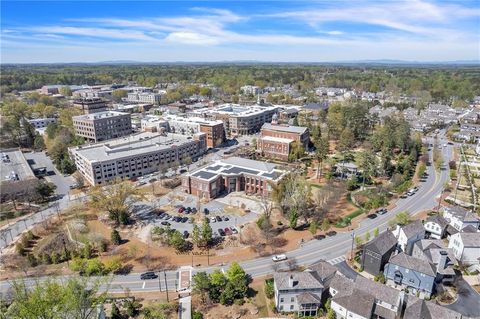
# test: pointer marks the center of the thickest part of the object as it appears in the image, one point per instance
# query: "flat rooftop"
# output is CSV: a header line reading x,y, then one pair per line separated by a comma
x,y
238,166
276,139
284,128
136,144
99,115
14,164
237,109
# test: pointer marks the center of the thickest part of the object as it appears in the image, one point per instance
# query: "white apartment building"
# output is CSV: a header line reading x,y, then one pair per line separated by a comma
x,y
466,247
135,155
144,97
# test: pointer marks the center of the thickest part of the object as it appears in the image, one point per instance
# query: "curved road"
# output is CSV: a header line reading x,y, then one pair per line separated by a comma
x,y
330,248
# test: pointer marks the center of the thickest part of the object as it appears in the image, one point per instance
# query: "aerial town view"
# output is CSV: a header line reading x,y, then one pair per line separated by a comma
x,y
240,159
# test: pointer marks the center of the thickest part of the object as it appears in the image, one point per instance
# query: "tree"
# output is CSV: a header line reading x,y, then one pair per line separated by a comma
x,y
115,237
236,273
65,91
367,237
39,143
117,95
358,241
196,236
115,198
313,227
45,189
368,165
376,231
293,219
321,152
206,234
115,313
401,219
325,224
201,285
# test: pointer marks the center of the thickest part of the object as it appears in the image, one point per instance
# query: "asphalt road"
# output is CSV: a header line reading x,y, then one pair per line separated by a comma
x,y
330,248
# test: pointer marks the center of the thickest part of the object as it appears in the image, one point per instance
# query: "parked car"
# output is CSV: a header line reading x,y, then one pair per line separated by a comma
x,y
194,210
165,223
181,209
183,171
331,233
226,219
382,211
188,209
219,219
372,216
148,275
161,216
228,231
281,257
234,230
168,217
184,219
319,237
221,232
177,219
213,219
404,195
206,211
186,234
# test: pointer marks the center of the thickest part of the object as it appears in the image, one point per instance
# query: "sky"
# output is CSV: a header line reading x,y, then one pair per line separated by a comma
x,y
212,31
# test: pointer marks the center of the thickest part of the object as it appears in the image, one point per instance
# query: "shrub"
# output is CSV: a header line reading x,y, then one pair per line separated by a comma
x,y
78,264
269,290
115,237
32,260
20,249
197,315
94,267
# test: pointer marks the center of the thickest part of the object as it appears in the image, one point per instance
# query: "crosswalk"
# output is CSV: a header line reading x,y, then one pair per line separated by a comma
x,y
337,260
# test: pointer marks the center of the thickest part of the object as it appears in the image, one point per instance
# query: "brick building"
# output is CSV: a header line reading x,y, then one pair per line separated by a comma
x,y
102,126
233,174
276,139
88,106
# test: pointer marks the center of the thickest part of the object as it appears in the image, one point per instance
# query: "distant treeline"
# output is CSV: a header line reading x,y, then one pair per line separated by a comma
x,y
441,82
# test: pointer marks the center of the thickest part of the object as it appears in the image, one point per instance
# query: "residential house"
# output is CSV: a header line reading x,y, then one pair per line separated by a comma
x,y
466,248
377,252
410,273
417,308
364,298
432,250
302,292
435,227
459,217
408,234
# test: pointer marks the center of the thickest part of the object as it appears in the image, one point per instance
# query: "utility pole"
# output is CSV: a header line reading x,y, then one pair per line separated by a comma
x,y
208,256
166,285
159,281
192,258
353,238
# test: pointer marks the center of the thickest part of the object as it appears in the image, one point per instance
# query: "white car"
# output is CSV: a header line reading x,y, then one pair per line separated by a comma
x,y
279,257
213,220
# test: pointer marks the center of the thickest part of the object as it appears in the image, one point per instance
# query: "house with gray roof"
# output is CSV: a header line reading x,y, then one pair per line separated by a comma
x,y
364,298
466,247
408,235
459,217
435,227
433,251
412,274
417,308
376,253
303,292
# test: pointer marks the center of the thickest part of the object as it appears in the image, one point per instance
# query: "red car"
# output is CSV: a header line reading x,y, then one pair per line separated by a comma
x,y
227,231
181,209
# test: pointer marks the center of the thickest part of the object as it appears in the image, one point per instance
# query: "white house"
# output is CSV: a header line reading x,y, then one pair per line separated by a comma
x,y
466,247
436,226
459,217
409,234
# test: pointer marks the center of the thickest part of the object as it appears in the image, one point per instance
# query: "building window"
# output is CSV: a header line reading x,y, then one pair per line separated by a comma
x,y
291,307
292,299
281,299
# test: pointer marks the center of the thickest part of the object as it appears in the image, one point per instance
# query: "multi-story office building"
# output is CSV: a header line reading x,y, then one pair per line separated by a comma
x,y
239,120
88,106
276,139
144,97
250,89
135,155
233,174
213,129
102,126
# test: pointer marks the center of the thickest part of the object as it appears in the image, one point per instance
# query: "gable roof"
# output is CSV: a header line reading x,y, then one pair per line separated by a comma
x,y
469,229
362,304
322,270
412,229
470,239
383,243
412,263
301,280
421,309
307,297
439,220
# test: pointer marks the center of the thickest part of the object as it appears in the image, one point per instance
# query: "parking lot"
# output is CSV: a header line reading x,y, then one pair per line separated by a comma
x,y
150,213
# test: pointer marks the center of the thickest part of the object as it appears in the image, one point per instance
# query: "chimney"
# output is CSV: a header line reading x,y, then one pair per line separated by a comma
x,y
290,281
442,263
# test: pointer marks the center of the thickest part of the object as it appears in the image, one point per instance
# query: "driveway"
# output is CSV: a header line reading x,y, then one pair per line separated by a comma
x,y
468,301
